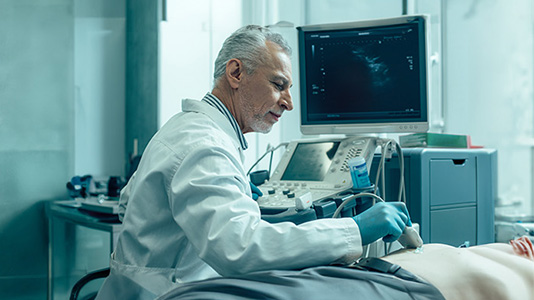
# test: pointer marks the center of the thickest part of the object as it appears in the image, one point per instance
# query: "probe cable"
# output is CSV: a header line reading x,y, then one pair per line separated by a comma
x,y
269,150
380,173
354,197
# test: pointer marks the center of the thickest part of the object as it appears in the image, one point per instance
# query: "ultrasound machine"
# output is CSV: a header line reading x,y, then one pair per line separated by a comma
x,y
357,80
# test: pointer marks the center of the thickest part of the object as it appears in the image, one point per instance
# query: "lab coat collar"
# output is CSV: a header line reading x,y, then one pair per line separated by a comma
x,y
215,102
190,105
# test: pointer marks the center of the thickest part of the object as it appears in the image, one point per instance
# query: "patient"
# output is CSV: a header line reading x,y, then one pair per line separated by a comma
x,y
492,271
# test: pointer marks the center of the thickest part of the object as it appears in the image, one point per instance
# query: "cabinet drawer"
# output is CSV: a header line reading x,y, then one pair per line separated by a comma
x,y
453,226
452,181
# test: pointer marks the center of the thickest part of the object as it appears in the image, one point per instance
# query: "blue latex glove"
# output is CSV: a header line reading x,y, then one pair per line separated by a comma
x,y
256,193
384,220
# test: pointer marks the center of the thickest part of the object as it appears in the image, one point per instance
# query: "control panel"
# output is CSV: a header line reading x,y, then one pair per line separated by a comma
x,y
312,170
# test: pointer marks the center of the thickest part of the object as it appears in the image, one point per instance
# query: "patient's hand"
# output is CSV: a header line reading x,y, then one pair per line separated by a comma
x,y
523,247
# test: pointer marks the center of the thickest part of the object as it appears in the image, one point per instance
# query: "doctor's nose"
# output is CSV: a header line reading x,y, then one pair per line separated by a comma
x,y
286,101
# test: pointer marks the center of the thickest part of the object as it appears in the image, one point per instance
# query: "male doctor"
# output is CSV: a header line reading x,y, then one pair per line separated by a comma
x,y
190,213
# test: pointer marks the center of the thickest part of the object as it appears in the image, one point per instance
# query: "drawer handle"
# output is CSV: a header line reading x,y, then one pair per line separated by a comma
x,y
459,162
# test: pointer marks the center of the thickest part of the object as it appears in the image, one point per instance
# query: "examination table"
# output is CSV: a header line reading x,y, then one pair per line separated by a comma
x,y
372,278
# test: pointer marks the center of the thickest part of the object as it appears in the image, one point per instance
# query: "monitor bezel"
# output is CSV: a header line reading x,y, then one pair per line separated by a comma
x,y
359,128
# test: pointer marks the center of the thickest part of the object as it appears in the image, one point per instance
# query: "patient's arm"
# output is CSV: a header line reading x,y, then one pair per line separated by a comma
x,y
492,271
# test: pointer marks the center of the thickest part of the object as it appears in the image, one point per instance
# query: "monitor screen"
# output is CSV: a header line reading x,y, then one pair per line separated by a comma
x,y
364,77
310,161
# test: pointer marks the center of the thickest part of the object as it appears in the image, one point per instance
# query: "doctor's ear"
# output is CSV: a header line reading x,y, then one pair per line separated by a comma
x,y
234,72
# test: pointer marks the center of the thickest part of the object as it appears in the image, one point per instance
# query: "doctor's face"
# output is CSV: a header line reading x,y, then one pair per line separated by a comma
x,y
264,95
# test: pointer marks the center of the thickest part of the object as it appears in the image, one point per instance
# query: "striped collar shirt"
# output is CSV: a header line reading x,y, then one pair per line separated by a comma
x,y
215,102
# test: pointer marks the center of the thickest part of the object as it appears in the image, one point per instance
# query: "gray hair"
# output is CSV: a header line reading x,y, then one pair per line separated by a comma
x,y
248,45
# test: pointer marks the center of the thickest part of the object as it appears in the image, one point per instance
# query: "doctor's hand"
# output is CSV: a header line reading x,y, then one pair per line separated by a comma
x,y
256,193
383,220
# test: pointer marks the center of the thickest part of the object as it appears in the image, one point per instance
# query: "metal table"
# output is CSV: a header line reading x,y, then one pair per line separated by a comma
x,y
79,242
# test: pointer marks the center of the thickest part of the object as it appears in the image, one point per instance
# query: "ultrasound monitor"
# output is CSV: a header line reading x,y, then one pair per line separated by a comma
x,y
310,161
364,77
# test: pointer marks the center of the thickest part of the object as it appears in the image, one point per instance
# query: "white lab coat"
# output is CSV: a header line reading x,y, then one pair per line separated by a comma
x,y
190,215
